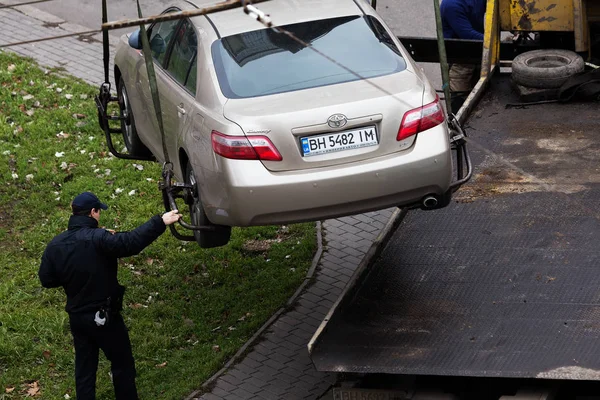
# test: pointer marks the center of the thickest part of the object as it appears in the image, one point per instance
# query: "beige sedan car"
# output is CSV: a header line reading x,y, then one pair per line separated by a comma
x,y
271,132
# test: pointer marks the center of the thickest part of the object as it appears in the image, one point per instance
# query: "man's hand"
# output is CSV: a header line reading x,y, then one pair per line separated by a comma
x,y
171,217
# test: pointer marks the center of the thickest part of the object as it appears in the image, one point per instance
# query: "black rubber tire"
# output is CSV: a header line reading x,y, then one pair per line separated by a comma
x,y
546,69
134,145
205,239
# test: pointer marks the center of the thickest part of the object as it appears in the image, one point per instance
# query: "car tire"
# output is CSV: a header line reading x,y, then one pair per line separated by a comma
x,y
134,145
205,239
546,69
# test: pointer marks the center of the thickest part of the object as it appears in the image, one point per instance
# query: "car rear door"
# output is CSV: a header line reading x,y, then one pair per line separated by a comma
x,y
177,84
161,37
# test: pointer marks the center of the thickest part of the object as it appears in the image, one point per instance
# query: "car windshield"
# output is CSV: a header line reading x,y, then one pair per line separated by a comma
x,y
265,62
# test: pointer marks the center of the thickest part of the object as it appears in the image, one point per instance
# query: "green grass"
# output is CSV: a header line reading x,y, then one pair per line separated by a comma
x,y
187,307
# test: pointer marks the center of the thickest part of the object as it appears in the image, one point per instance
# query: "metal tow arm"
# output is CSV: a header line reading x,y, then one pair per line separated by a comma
x,y
458,143
173,190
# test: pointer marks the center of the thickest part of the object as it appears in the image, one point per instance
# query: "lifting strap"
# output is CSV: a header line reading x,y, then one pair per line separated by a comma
x,y
105,44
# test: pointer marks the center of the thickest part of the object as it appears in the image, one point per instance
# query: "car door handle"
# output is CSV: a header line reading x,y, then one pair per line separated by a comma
x,y
180,109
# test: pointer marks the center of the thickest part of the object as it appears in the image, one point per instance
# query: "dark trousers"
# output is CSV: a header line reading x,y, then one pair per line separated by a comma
x,y
113,339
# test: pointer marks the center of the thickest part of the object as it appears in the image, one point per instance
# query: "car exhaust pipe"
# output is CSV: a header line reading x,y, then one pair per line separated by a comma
x,y
430,202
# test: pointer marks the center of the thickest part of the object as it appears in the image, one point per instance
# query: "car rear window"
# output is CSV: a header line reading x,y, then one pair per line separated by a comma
x,y
264,62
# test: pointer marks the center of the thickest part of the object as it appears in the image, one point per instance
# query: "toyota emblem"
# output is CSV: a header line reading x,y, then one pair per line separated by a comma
x,y
337,120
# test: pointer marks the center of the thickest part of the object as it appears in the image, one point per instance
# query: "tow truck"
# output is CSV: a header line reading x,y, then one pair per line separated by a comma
x,y
496,296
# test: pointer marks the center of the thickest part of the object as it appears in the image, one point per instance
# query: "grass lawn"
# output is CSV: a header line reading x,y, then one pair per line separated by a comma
x,y
188,309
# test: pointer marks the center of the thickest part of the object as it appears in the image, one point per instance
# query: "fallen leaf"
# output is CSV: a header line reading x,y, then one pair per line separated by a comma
x,y
11,67
27,97
9,389
30,113
78,116
34,389
68,96
83,96
149,261
216,348
46,354
136,306
59,154
161,365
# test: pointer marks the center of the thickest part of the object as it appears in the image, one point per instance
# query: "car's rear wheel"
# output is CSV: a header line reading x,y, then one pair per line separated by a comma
x,y
132,141
206,239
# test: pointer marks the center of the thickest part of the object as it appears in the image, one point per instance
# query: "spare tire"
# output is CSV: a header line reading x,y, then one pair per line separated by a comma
x,y
546,69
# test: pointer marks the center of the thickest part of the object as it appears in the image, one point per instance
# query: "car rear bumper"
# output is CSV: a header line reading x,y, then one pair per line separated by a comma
x,y
256,196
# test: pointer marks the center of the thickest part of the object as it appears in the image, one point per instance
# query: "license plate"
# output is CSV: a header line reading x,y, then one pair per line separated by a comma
x,y
339,141
369,394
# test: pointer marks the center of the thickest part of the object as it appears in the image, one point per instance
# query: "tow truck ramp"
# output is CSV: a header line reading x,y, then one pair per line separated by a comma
x,y
504,282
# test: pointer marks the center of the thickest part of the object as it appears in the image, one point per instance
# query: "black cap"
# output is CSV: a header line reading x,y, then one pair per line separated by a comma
x,y
87,201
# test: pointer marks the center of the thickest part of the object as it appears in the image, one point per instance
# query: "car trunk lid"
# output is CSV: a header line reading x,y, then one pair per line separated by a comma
x,y
331,125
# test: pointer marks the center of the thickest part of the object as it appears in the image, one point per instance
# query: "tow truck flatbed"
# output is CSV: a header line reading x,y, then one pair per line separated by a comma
x,y
504,282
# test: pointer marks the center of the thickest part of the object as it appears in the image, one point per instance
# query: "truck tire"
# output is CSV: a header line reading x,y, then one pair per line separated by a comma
x,y
205,239
546,69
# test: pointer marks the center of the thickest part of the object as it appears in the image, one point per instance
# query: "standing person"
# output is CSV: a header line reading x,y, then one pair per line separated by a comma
x,y
463,19
83,260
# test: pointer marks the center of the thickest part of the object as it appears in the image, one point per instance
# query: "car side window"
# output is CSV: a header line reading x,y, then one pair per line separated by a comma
x,y
182,62
160,37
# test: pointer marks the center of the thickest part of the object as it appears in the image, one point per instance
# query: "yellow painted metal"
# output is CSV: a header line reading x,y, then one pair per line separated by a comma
x,y
541,15
491,38
580,26
505,17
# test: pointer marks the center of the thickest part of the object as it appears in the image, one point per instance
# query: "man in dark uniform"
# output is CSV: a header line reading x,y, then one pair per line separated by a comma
x,y
83,260
463,19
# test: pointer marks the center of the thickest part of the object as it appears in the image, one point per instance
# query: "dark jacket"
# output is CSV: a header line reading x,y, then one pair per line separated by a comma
x,y
463,19
83,260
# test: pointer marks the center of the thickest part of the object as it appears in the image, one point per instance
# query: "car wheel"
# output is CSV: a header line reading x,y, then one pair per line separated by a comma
x,y
132,141
205,239
546,69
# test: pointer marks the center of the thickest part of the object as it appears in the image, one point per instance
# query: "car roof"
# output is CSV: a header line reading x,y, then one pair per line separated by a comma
x,y
282,12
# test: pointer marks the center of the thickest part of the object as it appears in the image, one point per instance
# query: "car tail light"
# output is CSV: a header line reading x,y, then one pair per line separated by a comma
x,y
244,147
420,119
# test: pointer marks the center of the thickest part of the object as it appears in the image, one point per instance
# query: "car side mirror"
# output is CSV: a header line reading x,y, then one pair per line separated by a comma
x,y
135,40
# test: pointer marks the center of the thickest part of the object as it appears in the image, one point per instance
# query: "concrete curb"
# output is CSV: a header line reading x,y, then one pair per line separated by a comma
x,y
363,269
270,321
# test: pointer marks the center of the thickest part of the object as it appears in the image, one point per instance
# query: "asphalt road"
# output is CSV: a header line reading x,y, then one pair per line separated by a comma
x,y
405,17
